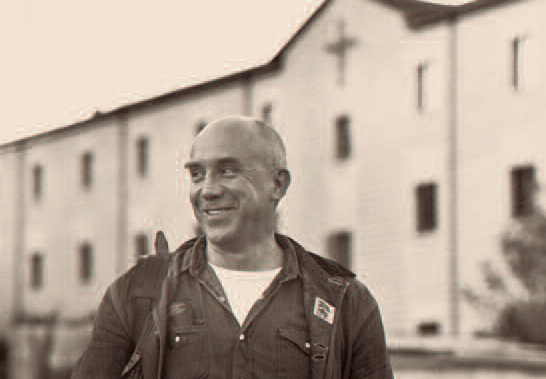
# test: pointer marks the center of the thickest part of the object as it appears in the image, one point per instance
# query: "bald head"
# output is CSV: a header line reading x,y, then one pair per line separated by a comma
x,y
260,138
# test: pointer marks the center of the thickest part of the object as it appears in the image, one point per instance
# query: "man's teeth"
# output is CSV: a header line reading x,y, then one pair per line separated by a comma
x,y
216,211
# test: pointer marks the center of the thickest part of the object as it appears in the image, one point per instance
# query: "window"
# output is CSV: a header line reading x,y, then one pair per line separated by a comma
x,y
421,73
517,62
36,271
142,156
267,109
37,177
86,263
343,138
199,127
427,212
339,248
141,245
523,188
87,169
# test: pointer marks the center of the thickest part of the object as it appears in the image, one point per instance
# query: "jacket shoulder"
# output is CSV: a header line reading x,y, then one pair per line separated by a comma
x,y
332,267
145,278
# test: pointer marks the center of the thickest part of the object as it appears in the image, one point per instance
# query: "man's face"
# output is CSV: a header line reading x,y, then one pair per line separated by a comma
x,y
230,187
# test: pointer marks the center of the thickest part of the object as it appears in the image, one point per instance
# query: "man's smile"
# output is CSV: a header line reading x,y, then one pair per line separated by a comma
x,y
217,211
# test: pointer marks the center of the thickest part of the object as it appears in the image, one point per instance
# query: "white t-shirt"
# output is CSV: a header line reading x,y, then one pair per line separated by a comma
x,y
243,288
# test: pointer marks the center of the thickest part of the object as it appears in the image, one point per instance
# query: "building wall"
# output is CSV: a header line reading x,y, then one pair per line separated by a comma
x,y
8,235
67,215
393,148
499,128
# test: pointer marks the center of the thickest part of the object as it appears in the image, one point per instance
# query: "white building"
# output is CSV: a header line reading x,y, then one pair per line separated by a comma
x,y
411,128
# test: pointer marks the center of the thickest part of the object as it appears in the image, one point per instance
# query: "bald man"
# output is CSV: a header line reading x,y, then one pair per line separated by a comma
x,y
240,301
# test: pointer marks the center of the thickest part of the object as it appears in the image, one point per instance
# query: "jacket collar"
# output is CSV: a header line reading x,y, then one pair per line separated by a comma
x,y
195,258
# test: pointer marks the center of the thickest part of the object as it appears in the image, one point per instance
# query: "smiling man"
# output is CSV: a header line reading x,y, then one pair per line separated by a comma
x,y
241,301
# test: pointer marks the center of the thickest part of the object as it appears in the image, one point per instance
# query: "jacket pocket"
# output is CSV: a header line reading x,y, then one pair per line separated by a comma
x,y
133,368
187,355
294,352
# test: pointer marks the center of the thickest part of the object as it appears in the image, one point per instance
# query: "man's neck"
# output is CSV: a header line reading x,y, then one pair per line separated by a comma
x,y
257,256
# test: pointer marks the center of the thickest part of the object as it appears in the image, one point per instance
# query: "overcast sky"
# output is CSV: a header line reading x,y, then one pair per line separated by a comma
x,y
60,59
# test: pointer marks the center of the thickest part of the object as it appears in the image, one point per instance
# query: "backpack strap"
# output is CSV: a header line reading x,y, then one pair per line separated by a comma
x,y
159,280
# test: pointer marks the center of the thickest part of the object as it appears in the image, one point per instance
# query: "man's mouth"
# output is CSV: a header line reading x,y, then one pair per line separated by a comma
x,y
216,211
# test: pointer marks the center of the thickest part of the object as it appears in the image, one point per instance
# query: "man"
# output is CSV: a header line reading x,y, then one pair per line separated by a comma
x,y
240,301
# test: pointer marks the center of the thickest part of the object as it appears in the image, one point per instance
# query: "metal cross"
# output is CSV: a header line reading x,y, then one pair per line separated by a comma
x,y
340,48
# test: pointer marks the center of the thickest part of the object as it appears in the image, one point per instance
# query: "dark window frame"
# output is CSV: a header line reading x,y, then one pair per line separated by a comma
x,y
340,247
343,137
426,206
86,263
516,63
522,185
421,72
142,245
37,268
143,155
87,160
37,181
267,112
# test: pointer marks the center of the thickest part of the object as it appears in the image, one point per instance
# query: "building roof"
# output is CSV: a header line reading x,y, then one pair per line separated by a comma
x,y
418,14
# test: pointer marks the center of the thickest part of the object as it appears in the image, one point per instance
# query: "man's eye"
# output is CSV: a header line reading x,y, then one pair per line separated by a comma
x,y
227,170
196,175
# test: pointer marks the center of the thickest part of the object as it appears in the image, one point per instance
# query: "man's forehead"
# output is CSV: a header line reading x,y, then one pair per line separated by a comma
x,y
224,142
197,162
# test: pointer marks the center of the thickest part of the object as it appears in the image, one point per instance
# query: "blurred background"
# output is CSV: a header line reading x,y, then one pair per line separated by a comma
x,y
414,137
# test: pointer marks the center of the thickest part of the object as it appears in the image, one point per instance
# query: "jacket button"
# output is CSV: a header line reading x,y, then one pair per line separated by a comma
x,y
242,337
177,339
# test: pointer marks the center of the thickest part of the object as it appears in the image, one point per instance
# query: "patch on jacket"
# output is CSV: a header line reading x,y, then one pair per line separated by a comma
x,y
324,311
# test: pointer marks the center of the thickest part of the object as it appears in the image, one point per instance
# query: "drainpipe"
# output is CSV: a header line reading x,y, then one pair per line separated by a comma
x,y
123,192
454,311
19,246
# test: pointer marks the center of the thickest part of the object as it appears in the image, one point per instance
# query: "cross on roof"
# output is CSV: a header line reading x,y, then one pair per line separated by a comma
x,y
340,48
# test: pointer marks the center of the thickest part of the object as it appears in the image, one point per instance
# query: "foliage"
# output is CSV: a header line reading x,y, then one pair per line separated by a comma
x,y
519,317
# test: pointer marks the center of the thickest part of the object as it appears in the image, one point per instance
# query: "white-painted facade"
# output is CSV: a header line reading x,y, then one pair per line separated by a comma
x,y
397,143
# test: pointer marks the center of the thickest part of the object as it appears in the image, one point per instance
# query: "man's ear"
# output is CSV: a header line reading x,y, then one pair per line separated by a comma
x,y
281,182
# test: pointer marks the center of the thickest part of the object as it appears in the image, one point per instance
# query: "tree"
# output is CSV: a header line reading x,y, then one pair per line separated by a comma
x,y
520,317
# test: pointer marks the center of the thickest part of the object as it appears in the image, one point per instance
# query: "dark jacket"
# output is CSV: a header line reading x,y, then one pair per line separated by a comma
x,y
130,331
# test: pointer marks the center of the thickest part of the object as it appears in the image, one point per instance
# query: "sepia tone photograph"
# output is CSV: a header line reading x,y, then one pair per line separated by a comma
x,y
273,189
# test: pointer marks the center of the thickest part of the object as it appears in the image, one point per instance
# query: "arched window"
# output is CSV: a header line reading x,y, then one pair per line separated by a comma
x,y
142,155
141,245
37,177
343,138
36,271
86,263
87,169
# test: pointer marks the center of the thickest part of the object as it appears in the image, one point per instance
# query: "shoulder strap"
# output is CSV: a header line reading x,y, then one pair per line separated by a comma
x,y
157,272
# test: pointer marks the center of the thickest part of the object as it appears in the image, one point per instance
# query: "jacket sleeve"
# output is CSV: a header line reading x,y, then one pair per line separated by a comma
x,y
369,351
110,347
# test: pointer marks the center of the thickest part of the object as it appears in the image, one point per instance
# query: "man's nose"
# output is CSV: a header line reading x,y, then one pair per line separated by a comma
x,y
211,188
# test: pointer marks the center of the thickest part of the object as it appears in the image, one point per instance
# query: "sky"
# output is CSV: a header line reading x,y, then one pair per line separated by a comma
x,y
62,59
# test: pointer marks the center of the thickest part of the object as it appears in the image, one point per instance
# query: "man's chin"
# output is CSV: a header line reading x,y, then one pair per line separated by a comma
x,y
219,237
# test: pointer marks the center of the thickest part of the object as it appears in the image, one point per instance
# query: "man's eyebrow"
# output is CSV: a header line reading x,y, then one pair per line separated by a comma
x,y
221,161
191,164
